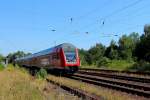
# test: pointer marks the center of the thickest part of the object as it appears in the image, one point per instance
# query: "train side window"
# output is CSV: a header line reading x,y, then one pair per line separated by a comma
x,y
55,56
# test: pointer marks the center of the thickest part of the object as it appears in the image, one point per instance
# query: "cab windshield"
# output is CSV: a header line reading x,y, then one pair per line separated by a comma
x,y
70,56
70,53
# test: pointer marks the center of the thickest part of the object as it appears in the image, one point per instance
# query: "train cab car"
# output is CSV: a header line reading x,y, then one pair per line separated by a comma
x,y
63,57
71,58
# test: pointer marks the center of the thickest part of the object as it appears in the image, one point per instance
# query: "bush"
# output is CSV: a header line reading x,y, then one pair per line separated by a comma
x,y
141,66
102,62
1,66
42,73
120,64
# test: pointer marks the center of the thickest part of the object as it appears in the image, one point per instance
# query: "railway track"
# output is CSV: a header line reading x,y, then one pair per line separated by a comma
x,y
80,93
131,84
115,75
116,71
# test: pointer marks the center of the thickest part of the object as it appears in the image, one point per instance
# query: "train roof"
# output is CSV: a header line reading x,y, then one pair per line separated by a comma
x,y
64,45
47,51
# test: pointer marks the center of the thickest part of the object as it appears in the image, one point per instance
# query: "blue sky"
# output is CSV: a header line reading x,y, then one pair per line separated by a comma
x,y
26,24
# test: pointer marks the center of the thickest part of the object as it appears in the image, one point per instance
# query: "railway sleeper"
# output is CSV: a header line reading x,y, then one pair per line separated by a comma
x,y
130,78
112,86
117,82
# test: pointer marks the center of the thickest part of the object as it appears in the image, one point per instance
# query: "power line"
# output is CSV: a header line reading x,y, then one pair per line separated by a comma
x,y
103,19
132,27
92,11
123,8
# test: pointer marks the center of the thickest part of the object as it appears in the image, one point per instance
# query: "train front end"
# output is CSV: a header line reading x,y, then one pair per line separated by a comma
x,y
71,58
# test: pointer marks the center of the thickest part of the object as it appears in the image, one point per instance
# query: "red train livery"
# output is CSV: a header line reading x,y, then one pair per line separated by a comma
x,y
63,57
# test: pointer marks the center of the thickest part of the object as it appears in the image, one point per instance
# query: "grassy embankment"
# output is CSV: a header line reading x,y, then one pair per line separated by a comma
x,y
113,64
119,64
17,84
123,65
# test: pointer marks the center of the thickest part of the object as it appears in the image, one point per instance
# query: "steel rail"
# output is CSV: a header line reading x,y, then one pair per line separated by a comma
x,y
116,81
116,71
80,93
116,76
137,89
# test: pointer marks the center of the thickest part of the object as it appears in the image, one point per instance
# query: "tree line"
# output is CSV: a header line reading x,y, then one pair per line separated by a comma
x,y
132,47
12,56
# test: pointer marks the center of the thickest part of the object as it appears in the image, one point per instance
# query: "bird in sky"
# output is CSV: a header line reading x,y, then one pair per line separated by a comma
x,y
53,30
103,22
87,32
71,19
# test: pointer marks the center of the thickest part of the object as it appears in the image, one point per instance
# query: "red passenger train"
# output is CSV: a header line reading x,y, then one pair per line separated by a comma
x,y
63,57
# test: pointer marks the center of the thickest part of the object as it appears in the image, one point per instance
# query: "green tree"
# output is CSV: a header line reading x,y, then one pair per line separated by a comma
x,y
88,58
95,53
12,56
1,58
82,55
147,29
142,50
112,51
127,45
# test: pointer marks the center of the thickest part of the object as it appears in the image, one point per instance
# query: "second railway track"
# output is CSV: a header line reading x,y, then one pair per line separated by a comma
x,y
116,76
134,85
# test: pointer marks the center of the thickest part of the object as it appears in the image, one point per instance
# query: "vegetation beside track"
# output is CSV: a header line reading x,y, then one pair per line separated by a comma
x,y
17,84
113,65
1,67
100,91
130,52
123,65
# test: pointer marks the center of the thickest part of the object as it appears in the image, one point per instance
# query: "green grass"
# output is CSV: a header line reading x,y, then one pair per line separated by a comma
x,y
17,84
123,65
113,65
119,64
140,66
